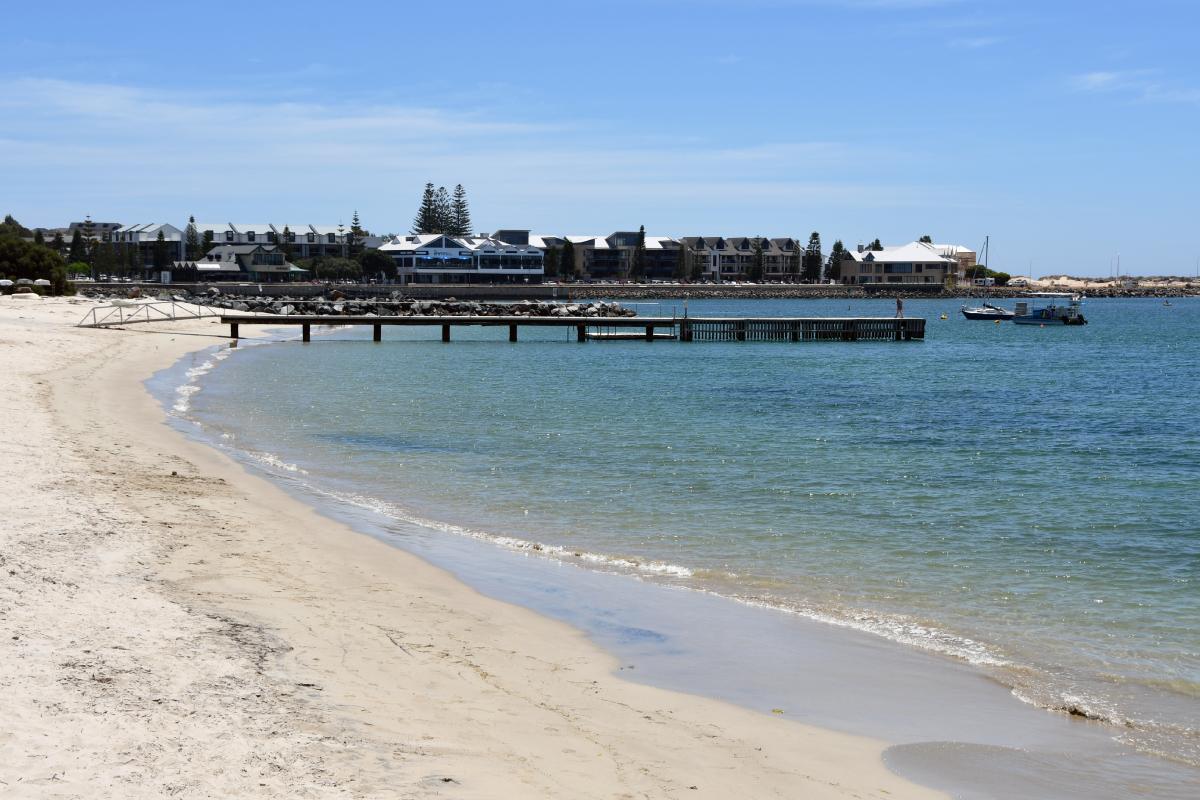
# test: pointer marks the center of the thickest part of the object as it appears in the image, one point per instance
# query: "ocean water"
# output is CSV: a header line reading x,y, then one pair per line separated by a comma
x,y
1023,500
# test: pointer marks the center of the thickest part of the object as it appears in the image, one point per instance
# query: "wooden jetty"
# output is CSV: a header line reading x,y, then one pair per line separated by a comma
x,y
683,329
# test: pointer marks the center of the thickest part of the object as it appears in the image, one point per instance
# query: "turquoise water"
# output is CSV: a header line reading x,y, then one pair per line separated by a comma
x,y
1023,499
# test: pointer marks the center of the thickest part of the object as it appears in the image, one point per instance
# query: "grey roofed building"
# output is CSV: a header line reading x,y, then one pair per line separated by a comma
x,y
732,257
261,263
144,237
304,240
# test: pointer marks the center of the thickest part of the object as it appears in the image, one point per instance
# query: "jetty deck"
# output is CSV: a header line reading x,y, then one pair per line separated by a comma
x,y
683,329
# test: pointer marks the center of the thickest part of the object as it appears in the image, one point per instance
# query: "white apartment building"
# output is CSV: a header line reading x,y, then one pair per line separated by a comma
x,y
915,262
436,258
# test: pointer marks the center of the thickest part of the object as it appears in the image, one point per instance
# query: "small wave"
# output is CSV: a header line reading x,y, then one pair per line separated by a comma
x,y
892,627
184,392
272,460
617,563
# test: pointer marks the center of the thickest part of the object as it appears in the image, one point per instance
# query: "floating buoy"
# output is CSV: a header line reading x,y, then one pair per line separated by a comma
x,y
943,316
997,322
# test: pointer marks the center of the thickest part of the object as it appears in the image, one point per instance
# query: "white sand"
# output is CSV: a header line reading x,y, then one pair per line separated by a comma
x,y
171,626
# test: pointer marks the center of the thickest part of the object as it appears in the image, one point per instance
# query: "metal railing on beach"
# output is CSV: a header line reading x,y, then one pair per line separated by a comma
x,y
126,313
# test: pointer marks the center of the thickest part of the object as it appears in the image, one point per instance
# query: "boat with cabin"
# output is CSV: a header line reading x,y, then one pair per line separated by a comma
x,y
988,311
1061,308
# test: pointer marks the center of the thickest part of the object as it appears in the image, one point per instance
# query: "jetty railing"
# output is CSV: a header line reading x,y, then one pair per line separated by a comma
x,y
160,311
684,329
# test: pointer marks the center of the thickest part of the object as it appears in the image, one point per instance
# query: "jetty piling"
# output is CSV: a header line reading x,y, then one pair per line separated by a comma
x,y
682,329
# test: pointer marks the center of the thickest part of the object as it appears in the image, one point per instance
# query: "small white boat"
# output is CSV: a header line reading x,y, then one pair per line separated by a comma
x,y
1062,308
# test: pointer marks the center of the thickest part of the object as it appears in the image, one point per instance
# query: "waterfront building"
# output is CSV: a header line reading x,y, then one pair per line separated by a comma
x,y
612,257
304,241
257,263
965,256
438,258
144,238
915,262
101,231
732,258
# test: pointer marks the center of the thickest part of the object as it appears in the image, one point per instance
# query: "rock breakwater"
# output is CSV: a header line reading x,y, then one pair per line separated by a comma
x,y
334,304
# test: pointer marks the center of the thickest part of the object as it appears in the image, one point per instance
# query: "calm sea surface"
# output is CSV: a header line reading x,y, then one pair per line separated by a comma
x,y
1025,499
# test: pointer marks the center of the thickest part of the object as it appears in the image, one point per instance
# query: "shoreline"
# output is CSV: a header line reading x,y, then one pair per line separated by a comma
x,y
276,652
899,683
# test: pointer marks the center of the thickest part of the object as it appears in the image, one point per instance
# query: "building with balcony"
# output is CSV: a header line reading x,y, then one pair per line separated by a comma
x,y
913,263
611,257
256,263
437,258
303,241
731,258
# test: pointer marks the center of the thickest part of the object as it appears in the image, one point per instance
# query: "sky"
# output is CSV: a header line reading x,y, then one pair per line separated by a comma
x,y
1065,132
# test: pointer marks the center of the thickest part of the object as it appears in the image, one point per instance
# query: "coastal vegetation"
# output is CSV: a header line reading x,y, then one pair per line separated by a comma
x,y
22,259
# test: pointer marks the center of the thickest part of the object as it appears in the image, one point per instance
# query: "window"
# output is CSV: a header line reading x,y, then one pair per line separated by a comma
x,y
330,238
249,236
291,237
312,237
272,237
229,236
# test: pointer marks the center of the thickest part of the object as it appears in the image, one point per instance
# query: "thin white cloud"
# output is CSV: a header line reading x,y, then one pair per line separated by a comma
x,y
975,42
1140,84
167,153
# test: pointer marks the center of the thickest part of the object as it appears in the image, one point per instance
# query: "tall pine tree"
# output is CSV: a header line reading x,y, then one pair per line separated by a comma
x,y
833,267
637,269
443,211
813,260
460,213
285,246
756,264
550,263
77,253
161,258
426,219
192,243
357,234
566,261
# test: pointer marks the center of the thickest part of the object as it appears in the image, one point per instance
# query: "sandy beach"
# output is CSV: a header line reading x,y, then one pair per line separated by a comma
x,y
174,626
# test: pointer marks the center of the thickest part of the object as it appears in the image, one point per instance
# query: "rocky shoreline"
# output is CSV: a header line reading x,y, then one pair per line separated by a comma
x,y
842,292
335,304
579,299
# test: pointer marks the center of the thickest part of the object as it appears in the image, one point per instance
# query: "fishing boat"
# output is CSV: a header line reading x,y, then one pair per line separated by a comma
x,y
1062,308
988,311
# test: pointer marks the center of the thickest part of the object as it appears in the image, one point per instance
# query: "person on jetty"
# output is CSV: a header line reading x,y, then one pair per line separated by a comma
x,y
899,308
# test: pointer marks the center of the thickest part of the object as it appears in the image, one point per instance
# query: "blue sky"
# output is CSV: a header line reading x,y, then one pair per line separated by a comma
x,y
1067,131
